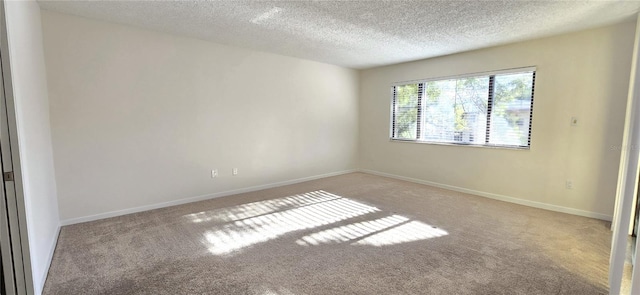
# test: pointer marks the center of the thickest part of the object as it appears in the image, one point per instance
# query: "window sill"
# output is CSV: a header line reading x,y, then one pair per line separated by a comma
x,y
506,147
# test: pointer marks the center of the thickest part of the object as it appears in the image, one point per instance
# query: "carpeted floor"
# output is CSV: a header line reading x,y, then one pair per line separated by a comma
x,y
349,234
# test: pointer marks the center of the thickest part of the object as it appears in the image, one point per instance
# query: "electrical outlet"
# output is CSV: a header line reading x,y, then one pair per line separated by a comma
x,y
569,184
235,171
214,173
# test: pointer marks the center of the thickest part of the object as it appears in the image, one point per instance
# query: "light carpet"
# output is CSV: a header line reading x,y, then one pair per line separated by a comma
x,y
350,234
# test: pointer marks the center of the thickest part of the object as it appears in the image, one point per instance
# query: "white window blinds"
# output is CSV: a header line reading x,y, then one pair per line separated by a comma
x,y
493,109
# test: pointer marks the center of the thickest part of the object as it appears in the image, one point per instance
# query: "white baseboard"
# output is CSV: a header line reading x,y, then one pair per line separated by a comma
x,y
496,196
52,248
198,198
294,181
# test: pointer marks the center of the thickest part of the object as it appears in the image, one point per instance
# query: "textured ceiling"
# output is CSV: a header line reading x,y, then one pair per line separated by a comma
x,y
357,34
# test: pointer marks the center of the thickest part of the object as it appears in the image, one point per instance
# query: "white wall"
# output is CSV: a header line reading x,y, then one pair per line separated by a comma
x,y
584,74
139,118
34,135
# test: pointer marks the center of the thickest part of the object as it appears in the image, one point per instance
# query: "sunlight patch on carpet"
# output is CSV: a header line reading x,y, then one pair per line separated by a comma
x,y
352,231
235,228
408,232
227,238
384,231
249,210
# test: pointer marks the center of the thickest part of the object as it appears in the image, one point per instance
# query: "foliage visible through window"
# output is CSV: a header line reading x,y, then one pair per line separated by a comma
x,y
490,110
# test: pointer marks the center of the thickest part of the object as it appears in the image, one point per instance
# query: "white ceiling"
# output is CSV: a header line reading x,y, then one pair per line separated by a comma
x,y
357,34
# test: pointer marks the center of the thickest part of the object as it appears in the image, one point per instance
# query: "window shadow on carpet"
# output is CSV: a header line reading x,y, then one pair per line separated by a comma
x,y
235,228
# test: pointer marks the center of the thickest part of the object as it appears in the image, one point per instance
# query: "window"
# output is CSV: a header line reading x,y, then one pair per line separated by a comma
x,y
492,109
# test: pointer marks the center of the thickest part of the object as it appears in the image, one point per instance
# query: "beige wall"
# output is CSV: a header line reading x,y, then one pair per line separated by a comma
x,y
24,32
584,74
140,118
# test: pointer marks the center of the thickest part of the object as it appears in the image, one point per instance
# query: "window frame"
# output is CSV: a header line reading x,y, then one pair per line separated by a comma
x,y
489,74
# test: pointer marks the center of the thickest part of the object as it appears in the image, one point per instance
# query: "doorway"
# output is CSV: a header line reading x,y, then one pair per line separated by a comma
x,y
12,278
15,265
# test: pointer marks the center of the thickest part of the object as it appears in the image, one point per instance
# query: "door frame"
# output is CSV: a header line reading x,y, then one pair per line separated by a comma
x,y
13,190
